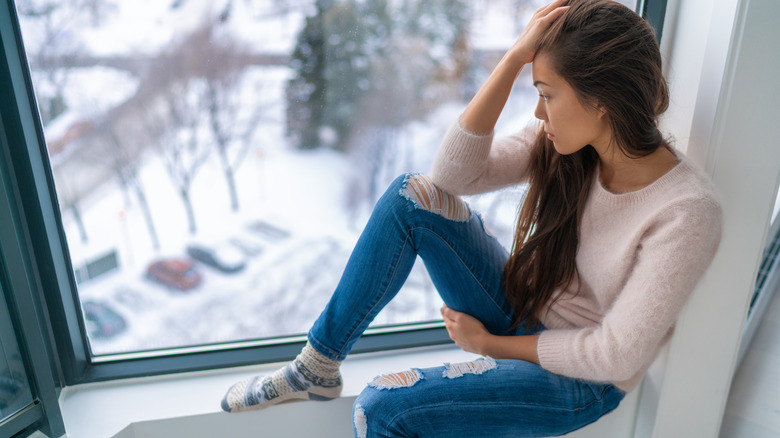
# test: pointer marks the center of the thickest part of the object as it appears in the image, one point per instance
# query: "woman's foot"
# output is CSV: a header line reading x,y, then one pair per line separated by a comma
x,y
311,376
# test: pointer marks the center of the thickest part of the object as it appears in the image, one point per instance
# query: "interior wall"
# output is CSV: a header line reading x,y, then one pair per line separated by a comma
x,y
731,131
683,47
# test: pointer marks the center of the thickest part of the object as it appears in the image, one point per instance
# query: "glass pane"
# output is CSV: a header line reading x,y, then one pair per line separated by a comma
x,y
216,160
14,387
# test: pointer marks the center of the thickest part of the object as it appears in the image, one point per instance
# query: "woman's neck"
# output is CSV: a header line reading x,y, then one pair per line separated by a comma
x,y
622,174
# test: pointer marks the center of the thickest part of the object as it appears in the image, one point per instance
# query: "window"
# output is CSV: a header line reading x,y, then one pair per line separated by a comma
x,y
289,185
215,162
767,281
212,174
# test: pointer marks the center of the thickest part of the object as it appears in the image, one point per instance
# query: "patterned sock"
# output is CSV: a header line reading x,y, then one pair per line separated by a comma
x,y
311,376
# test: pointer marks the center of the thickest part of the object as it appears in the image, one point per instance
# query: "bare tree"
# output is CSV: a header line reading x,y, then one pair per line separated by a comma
x,y
182,144
69,195
420,67
232,143
126,168
221,97
50,35
50,24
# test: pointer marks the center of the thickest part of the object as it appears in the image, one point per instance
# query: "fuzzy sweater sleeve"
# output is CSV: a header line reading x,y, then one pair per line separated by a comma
x,y
673,253
469,163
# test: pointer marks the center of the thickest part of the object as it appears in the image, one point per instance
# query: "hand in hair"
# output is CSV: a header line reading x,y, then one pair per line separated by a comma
x,y
525,46
481,115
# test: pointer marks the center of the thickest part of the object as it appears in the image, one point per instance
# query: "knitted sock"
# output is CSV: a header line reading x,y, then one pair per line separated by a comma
x,y
311,376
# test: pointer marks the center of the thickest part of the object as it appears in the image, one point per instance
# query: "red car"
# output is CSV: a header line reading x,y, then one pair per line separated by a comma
x,y
176,273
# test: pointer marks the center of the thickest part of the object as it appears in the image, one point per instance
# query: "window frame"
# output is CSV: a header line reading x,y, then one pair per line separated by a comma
x,y
43,410
19,273
54,291
654,11
24,315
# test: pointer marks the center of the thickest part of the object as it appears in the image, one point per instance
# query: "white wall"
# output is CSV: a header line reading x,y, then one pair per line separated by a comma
x,y
730,70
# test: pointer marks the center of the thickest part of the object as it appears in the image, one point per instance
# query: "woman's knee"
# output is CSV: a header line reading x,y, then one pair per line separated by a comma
x,y
359,420
380,404
368,408
420,190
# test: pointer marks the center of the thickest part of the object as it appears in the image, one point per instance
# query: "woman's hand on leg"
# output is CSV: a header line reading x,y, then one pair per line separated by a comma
x,y
465,330
470,334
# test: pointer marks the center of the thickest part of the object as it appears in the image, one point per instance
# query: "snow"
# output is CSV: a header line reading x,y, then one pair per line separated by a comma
x,y
311,194
115,87
145,26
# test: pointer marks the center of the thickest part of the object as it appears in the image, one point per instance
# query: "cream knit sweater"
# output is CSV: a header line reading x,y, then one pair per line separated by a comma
x,y
640,256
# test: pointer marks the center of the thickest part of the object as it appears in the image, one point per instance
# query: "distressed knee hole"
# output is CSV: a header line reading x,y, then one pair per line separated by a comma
x,y
420,190
484,225
478,366
360,422
402,379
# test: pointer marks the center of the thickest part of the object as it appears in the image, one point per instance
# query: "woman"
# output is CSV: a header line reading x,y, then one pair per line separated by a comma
x,y
615,231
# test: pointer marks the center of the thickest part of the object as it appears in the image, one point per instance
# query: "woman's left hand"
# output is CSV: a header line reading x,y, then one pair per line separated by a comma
x,y
466,331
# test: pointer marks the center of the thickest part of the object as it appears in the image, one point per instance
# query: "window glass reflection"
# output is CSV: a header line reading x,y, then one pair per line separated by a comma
x,y
14,388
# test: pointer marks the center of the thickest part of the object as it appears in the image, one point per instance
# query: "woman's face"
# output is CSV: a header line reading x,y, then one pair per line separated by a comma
x,y
568,123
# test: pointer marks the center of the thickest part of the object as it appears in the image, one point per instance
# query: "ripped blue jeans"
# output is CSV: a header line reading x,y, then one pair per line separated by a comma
x,y
484,398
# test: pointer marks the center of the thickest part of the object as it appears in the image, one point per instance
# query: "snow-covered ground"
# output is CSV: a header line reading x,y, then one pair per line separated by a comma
x,y
287,280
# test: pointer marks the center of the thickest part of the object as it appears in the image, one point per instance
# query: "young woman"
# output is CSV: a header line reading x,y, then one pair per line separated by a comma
x,y
614,233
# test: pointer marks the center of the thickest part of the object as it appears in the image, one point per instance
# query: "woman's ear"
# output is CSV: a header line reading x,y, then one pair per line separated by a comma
x,y
593,105
601,110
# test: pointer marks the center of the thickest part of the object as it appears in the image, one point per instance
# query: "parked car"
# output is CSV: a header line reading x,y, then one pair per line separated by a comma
x,y
250,246
268,231
224,257
101,320
178,273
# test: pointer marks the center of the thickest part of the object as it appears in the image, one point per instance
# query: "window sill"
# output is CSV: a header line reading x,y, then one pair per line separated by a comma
x,y
149,406
188,404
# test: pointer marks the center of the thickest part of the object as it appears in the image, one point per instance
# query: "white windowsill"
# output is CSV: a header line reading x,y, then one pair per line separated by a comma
x,y
151,406
188,404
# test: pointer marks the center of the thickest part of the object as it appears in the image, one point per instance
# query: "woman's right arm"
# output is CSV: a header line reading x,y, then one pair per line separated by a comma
x,y
481,114
468,160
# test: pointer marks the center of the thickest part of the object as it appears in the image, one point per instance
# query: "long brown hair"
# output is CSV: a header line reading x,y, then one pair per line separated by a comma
x,y
609,56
